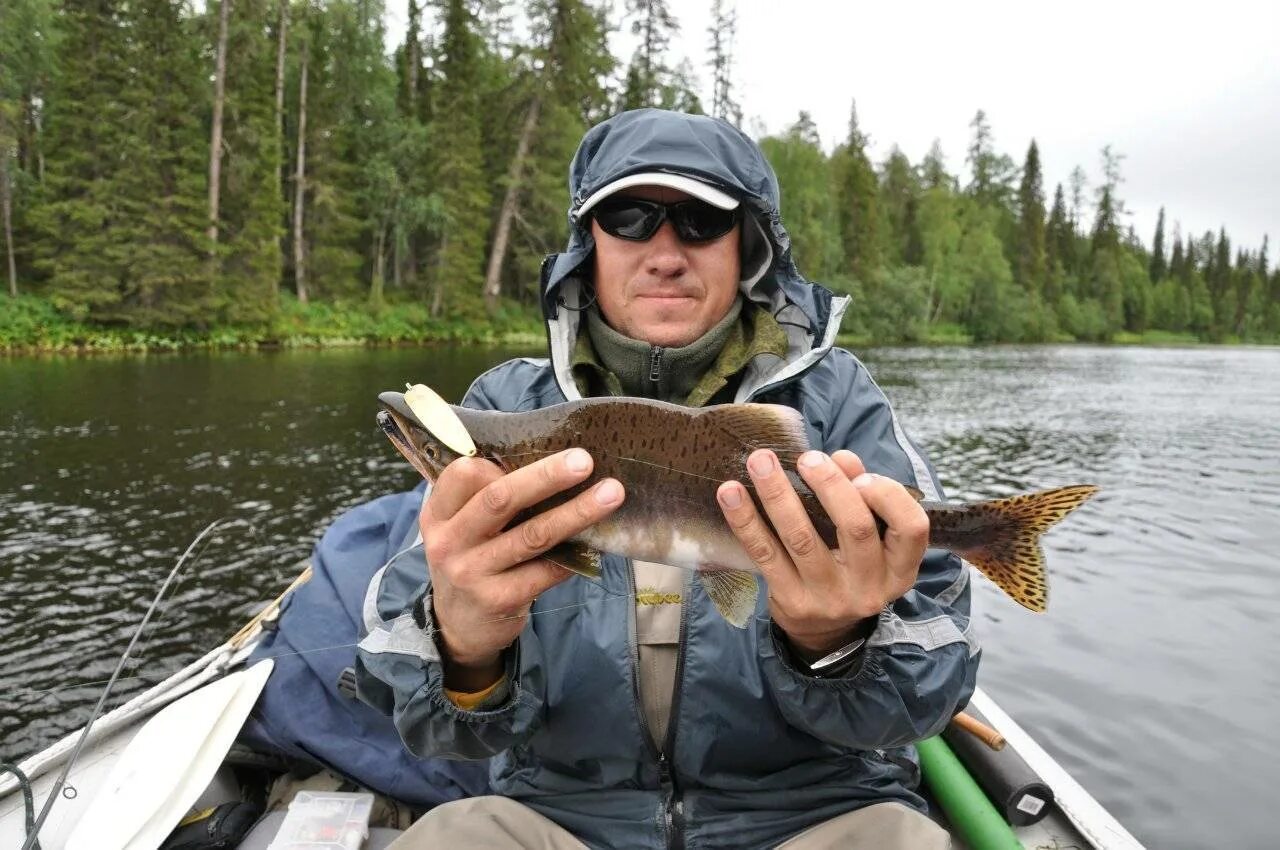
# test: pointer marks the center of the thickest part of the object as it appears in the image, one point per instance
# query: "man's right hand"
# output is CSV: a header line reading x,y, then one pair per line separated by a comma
x,y
484,578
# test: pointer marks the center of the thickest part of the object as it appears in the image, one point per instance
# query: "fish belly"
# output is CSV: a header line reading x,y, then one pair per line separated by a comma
x,y
691,546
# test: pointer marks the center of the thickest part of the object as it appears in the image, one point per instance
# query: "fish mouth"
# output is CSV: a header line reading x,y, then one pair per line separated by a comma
x,y
405,432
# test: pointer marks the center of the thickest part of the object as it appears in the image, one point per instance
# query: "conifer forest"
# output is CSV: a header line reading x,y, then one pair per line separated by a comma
x,y
231,169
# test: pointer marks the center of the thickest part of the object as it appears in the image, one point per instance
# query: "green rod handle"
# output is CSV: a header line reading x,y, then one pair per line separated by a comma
x,y
963,802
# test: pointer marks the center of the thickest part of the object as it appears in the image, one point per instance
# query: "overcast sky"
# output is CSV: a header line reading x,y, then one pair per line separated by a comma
x,y
1189,93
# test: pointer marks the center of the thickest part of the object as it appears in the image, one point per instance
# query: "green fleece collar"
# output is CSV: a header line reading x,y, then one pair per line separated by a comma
x,y
702,370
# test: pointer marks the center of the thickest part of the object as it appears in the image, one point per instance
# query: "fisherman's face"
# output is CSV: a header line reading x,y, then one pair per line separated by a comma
x,y
664,291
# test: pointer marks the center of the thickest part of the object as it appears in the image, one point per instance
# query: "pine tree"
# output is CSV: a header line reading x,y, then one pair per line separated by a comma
x,y
1031,250
1158,268
857,202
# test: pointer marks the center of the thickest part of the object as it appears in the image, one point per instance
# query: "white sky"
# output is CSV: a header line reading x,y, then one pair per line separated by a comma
x,y
1189,93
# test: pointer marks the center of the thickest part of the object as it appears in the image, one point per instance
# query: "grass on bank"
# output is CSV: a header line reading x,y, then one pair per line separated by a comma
x,y
30,324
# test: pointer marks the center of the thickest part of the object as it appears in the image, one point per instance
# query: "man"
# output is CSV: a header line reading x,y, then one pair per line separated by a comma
x,y
651,722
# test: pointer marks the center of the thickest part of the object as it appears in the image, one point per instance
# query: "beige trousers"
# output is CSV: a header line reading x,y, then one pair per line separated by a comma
x,y
503,824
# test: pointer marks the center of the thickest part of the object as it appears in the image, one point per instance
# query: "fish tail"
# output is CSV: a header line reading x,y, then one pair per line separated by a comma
x,y
1011,555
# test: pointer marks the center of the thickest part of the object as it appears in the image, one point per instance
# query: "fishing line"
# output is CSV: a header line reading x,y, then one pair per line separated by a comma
x,y
34,833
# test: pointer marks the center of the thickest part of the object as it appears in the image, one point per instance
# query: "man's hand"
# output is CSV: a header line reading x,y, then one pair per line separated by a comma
x,y
819,596
484,579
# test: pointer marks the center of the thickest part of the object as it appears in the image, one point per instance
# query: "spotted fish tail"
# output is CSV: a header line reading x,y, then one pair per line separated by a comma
x,y
1011,555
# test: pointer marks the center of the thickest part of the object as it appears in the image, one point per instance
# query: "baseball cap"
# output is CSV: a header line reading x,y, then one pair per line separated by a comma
x,y
696,188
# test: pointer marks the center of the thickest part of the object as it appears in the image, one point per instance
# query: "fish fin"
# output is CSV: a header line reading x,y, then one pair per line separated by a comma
x,y
1012,557
576,557
916,493
734,593
762,426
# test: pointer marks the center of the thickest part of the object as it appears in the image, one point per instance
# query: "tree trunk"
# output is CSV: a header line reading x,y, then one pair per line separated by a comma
x,y
300,185
379,266
502,235
6,202
396,280
215,142
281,42
412,60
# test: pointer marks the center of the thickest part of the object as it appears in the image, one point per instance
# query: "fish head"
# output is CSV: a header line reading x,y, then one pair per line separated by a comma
x,y
425,429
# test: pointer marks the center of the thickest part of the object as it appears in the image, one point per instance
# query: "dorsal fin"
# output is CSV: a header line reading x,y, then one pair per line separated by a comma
x,y
761,426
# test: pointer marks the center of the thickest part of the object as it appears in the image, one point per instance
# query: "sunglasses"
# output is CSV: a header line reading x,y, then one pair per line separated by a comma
x,y
637,220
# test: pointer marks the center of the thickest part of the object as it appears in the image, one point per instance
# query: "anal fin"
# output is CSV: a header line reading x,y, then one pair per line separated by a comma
x,y
734,593
576,557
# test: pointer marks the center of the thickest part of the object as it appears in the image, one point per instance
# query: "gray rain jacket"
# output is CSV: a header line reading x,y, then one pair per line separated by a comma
x,y
756,750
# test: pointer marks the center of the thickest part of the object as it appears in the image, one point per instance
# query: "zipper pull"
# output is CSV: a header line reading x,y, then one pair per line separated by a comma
x,y
655,364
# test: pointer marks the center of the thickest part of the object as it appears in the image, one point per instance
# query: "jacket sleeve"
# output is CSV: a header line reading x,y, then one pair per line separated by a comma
x,y
398,661
920,665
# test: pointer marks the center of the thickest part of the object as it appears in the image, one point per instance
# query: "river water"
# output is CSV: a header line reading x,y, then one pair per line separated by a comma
x,y
1152,677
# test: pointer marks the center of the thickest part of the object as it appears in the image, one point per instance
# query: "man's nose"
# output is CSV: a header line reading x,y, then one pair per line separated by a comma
x,y
666,257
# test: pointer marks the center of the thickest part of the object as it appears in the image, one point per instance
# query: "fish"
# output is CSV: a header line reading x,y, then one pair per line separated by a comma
x,y
671,460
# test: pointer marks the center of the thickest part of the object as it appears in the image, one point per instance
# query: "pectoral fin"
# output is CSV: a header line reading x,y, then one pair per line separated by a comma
x,y
576,557
734,593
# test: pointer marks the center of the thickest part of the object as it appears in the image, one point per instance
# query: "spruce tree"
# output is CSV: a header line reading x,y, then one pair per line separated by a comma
x,y
85,141
569,60
1177,260
1158,268
1031,250
648,75
899,191
723,30
465,195
160,190
27,42
252,208
857,202
992,172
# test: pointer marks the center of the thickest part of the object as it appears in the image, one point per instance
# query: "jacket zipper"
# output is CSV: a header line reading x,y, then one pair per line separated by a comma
x,y
672,810
655,365
675,799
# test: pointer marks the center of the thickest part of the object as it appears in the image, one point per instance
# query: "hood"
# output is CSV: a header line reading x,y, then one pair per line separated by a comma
x,y
717,153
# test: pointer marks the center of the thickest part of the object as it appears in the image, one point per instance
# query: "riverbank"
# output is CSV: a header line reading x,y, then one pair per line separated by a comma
x,y
32,325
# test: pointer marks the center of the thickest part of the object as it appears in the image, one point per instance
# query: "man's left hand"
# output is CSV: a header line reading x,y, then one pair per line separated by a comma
x,y
819,596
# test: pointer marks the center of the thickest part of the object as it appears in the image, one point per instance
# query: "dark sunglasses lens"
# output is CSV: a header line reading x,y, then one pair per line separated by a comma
x,y
696,221
629,219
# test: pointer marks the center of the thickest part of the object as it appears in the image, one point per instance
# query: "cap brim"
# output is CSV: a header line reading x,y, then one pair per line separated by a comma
x,y
688,185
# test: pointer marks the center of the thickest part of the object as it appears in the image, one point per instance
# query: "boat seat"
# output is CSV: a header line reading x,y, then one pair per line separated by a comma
x,y
264,832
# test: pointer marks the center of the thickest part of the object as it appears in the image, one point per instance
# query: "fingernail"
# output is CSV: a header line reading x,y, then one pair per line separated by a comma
x,y
608,492
866,479
578,460
731,497
812,459
761,463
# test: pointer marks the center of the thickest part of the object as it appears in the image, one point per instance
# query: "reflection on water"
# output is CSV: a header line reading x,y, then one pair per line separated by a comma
x,y
1149,677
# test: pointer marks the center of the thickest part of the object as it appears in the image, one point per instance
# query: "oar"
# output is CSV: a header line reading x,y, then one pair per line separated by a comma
x,y
979,730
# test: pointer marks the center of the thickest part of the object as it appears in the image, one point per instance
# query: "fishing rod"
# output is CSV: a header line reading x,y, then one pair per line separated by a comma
x,y
34,832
